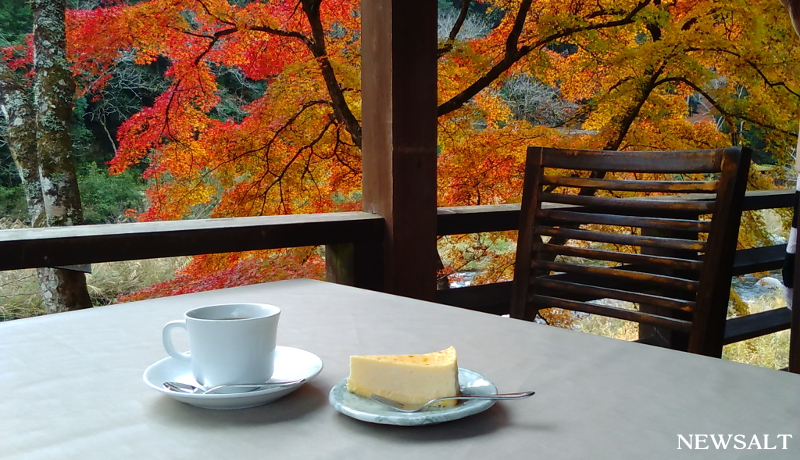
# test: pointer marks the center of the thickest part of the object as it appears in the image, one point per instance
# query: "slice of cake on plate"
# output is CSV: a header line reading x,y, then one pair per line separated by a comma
x,y
409,379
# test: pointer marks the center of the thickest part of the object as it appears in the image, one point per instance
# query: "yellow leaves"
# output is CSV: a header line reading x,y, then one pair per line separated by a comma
x,y
178,198
482,163
171,200
216,10
741,55
459,69
494,109
674,134
286,155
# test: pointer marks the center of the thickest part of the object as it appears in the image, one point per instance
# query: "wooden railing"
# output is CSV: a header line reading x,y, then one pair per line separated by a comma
x,y
354,240
353,243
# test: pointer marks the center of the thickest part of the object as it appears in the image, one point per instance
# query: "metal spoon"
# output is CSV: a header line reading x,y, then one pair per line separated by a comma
x,y
400,407
192,389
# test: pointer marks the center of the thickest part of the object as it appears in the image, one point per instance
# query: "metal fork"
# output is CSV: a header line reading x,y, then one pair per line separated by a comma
x,y
400,407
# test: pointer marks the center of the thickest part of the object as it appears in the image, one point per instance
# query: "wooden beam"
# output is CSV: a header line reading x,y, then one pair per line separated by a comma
x,y
475,219
28,248
494,218
761,259
492,298
756,324
398,75
767,199
45,247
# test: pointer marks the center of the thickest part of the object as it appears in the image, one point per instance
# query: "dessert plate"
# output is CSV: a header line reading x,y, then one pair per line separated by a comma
x,y
290,364
367,410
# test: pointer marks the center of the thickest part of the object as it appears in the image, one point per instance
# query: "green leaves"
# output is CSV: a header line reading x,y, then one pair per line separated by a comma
x,y
16,20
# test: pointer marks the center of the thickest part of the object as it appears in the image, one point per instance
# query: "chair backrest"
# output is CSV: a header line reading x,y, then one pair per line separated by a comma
x,y
655,232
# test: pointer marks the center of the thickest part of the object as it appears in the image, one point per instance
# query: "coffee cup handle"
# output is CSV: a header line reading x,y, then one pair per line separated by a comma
x,y
167,338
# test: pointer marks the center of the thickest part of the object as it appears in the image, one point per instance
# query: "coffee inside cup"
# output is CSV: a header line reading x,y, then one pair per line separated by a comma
x,y
239,311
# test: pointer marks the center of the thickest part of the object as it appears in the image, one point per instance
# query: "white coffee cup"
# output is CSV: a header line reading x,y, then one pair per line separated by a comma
x,y
229,343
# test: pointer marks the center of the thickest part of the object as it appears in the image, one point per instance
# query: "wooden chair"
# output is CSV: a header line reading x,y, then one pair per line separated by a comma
x,y
632,239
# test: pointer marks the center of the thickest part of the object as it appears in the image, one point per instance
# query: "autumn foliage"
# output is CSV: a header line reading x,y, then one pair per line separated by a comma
x,y
631,74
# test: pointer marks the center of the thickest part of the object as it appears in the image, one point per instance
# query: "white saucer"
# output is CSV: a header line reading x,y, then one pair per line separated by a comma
x,y
368,410
290,364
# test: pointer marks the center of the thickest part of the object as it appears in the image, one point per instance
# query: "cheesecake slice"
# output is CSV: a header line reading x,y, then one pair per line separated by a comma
x,y
409,379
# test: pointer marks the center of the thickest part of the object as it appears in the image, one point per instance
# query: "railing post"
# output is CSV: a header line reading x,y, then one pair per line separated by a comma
x,y
398,80
794,328
355,264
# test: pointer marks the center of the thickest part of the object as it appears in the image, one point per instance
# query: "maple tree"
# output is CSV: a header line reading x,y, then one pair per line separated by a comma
x,y
630,73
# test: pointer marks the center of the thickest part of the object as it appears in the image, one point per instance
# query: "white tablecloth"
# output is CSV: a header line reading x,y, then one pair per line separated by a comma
x,y
71,388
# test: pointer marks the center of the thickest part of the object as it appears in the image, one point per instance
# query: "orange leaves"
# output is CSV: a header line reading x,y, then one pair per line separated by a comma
x,y
282,151
484,165
218,271
286,153
286,156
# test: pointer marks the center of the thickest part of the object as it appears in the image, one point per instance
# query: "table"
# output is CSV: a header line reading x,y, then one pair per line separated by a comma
x,y
72,388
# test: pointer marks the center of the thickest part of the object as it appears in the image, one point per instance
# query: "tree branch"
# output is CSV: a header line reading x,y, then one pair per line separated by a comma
x,y
214,39
750,63
726,115
513,53
633,112
462,16
341,110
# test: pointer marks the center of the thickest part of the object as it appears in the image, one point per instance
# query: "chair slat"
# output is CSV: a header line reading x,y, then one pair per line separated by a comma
x,y
578,291
675,162
631,204
541,302
632,185
554,215
615,238
622,257
653,279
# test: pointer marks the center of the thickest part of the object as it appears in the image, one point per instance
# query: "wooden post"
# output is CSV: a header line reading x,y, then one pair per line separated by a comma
x,y
356,264
398,55
794,325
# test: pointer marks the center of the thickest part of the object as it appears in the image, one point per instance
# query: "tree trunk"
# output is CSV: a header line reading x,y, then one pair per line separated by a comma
x,y
21,137
53,91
